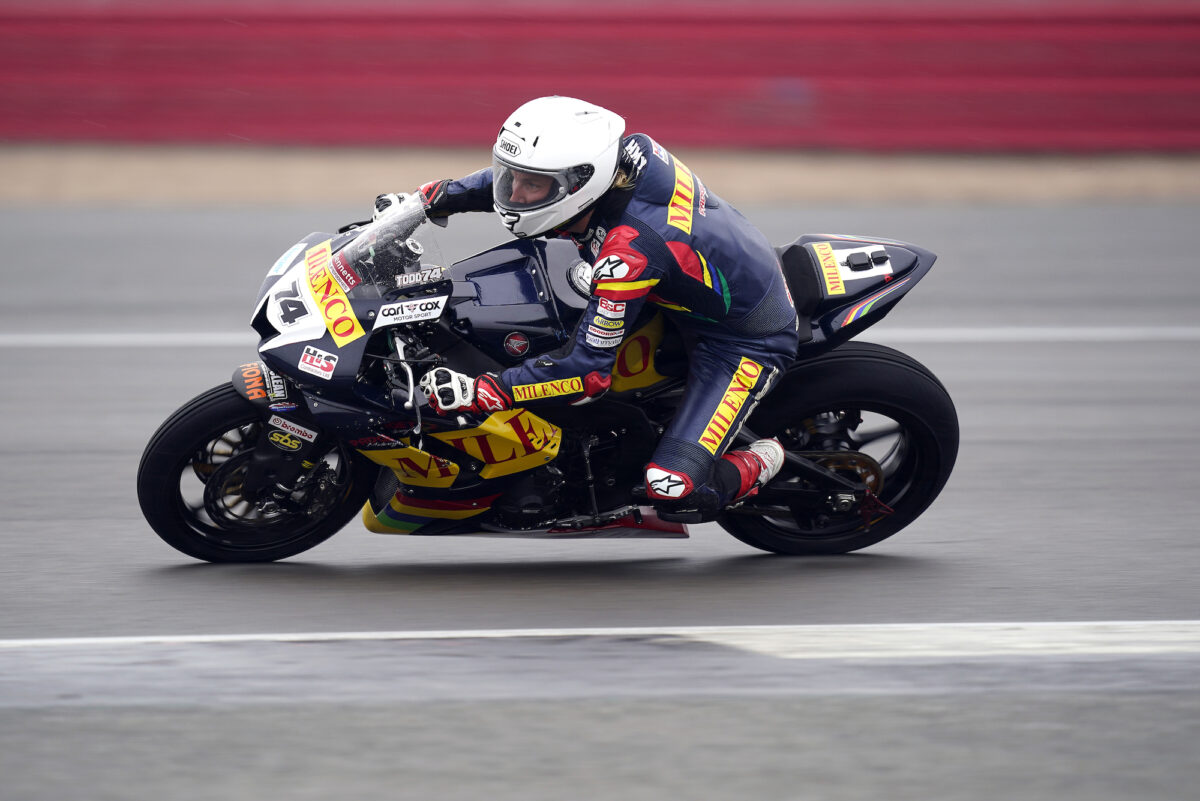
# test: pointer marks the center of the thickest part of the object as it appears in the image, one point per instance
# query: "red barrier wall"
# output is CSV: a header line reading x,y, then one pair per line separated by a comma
x,y
1058,77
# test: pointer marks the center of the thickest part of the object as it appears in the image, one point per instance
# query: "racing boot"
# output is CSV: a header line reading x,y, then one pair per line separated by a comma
x,y
755,466
738,475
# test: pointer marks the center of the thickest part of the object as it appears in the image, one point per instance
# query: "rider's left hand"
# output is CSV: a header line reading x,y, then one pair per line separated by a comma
x,y
387,204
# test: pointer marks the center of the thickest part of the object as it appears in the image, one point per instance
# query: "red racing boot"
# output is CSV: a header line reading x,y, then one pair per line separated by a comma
x,y
755,466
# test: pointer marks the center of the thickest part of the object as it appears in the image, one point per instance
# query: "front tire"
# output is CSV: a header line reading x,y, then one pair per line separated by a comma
x,y
869,412
189,479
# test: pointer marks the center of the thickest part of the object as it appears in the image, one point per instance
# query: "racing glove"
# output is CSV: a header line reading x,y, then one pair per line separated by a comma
x,y
451,391
384,204
434,195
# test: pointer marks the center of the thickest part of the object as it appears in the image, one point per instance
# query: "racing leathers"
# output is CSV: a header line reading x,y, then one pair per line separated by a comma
x,y
660,237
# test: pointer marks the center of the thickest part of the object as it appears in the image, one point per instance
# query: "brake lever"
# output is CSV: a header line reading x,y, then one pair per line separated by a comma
x,y
410,402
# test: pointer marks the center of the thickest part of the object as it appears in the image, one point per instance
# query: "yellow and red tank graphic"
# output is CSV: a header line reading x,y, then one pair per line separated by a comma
x,y
414,467
507,442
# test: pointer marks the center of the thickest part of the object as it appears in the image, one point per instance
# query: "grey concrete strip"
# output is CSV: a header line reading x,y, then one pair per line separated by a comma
x,y
237,673
1073,746
216,176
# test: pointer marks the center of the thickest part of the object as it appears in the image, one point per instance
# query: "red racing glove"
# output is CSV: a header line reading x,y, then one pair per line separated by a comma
x,y
451,391
433,194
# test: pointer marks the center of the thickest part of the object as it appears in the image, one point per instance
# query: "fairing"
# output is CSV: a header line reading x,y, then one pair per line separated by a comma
x,y
841,284
338,313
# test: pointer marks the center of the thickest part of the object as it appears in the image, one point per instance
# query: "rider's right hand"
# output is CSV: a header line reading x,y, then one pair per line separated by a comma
x,y
433,194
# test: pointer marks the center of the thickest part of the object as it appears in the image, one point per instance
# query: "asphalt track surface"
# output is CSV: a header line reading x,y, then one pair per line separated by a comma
x,y
398,667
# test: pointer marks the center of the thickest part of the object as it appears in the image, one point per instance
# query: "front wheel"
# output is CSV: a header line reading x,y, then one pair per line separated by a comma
x,y
867,412
190,479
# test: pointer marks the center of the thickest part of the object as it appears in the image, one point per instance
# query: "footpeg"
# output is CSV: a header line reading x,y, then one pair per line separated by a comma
x,y
693,517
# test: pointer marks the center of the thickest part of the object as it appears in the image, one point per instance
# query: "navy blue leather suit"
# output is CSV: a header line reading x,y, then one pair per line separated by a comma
x,y
670,242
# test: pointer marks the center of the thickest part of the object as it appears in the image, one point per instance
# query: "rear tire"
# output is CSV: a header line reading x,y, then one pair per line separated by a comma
x,y
860,398
188,480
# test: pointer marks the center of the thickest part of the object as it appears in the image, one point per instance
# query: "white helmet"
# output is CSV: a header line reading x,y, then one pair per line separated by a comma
x,y
554,157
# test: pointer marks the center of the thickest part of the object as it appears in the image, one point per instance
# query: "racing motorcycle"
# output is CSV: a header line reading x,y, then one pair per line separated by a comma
x,y
329,423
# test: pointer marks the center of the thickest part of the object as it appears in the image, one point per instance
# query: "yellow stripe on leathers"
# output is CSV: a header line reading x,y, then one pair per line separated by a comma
x,y
704,265
679,212
744,379
625,286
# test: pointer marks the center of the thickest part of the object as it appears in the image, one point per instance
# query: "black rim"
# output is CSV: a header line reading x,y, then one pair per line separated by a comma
x,y
211,503
873,446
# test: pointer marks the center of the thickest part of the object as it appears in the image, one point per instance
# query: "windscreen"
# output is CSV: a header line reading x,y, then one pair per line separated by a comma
x,y
397,244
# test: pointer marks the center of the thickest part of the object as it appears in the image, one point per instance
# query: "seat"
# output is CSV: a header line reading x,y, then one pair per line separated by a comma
x,y
800,273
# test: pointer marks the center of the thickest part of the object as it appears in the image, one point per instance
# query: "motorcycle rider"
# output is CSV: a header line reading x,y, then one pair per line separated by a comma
x,y
655,234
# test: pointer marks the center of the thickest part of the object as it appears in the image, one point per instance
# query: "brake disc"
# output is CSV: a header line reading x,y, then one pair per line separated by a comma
x,y
224,497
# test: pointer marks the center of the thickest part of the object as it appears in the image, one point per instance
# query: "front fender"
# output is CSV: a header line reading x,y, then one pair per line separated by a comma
x,y
262,386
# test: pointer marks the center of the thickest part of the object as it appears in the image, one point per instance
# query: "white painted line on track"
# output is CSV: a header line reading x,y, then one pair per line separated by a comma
x,y
1016,334
128,339
885,641
943,336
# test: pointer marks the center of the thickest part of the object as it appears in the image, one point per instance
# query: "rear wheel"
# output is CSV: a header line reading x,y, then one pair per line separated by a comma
x,y
869,413
190,486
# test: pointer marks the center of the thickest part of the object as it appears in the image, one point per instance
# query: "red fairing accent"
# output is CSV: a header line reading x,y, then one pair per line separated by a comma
x,y
619,243
687,259
748,467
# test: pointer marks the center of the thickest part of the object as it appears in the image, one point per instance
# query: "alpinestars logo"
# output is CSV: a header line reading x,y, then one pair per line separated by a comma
x,y
665,484
610,268
668,485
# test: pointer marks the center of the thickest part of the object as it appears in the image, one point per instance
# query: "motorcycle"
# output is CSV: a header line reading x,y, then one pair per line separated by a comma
x,y
329,422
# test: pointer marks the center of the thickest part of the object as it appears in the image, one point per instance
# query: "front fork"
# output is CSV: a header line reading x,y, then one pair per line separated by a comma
x,y
283,457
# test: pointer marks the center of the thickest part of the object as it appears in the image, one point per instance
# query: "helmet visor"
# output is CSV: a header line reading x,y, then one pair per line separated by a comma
x,y
517,188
